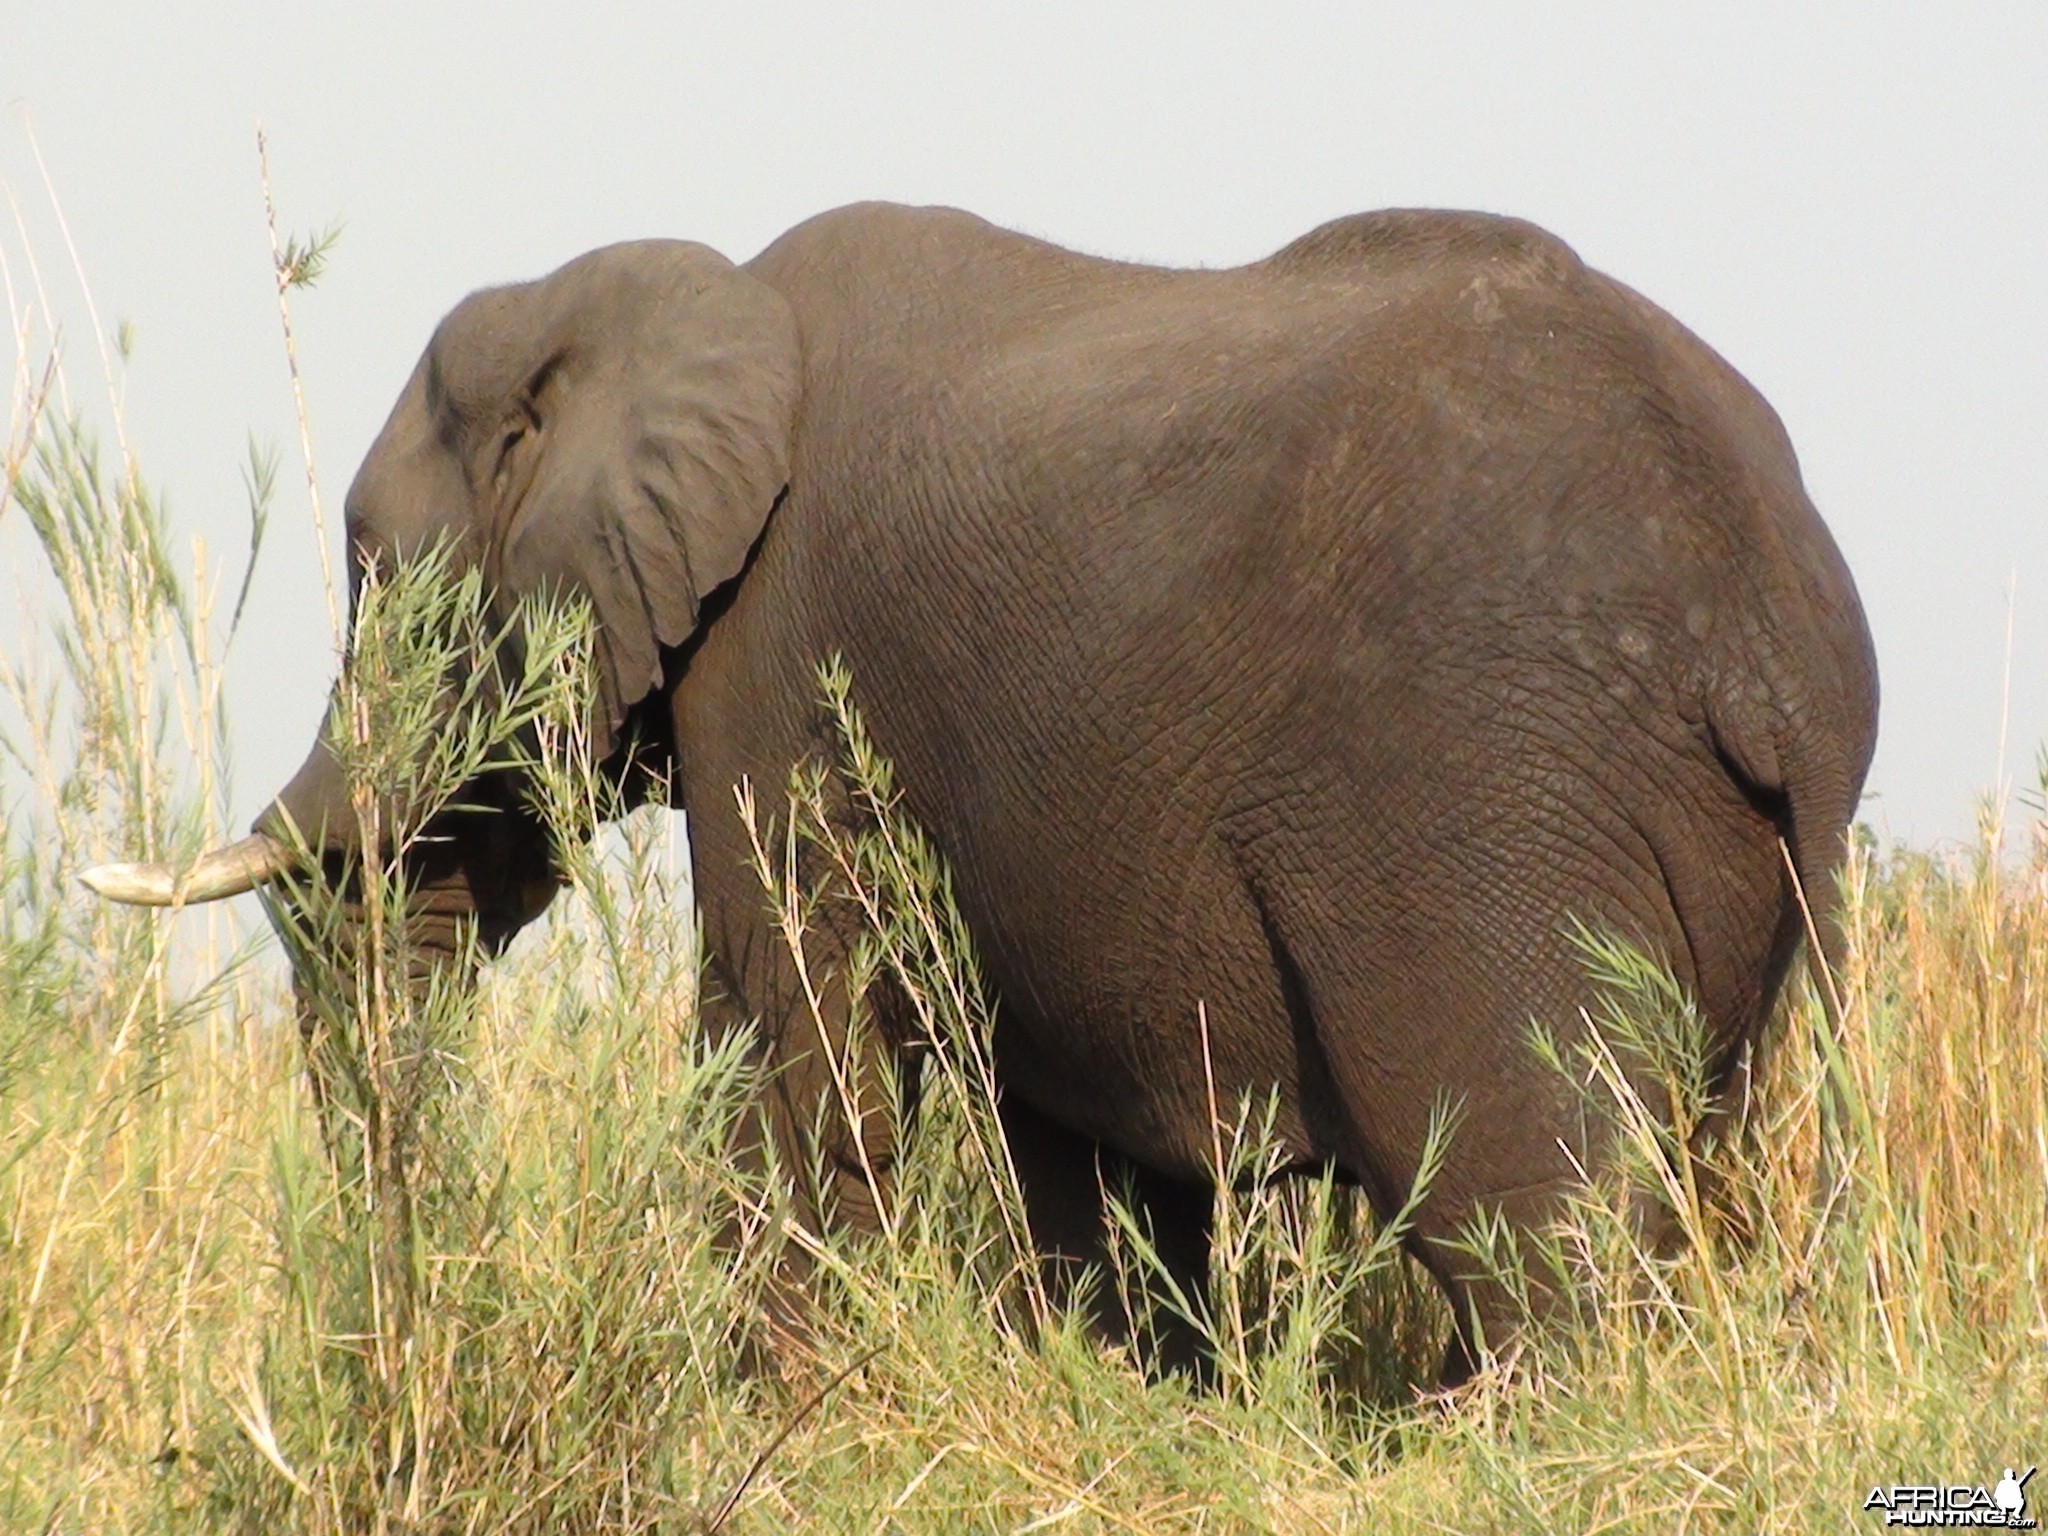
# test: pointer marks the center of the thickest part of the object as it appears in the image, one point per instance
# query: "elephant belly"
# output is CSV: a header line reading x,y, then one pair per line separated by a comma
x,y
1130,1005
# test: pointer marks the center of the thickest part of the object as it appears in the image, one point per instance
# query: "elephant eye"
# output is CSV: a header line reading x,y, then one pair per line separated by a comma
x,y
522,426
524,420
505,446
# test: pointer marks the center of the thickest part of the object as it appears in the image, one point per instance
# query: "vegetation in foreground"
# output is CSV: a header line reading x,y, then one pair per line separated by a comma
x,y
519,1282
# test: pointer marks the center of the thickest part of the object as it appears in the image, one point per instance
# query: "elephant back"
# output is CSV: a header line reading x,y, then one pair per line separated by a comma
x,y
1428,240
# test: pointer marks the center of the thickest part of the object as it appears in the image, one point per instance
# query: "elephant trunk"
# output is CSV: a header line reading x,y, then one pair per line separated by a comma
x,y
365,964
481,874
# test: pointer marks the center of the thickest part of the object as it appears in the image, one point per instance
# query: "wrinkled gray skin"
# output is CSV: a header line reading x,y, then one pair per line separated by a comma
x,y
1311,642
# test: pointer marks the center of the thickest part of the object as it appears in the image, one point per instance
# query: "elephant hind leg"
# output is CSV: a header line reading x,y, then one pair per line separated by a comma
x,y
1065,1176
1488,1310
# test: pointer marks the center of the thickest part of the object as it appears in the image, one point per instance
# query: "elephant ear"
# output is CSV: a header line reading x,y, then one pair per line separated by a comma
x,y
638,462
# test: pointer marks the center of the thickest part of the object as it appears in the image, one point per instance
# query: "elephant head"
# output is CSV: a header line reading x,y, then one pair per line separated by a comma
x,y
619,432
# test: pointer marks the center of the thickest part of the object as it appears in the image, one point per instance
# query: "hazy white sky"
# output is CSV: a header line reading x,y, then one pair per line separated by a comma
x,y
1849,201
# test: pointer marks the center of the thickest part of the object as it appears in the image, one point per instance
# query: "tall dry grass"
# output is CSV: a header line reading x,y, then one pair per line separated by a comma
x,y
532,1296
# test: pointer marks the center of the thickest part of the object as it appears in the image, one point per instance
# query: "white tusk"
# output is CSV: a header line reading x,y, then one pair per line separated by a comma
x,y
213,876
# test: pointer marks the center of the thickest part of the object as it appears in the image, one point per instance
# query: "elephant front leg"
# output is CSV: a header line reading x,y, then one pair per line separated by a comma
x,y
840,1087
824,1136
842,1100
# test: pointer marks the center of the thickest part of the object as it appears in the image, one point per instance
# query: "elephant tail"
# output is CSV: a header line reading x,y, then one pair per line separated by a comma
x,y
1800,755
1815,840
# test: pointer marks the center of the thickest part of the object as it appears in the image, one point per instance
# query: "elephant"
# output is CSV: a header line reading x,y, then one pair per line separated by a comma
x,y
1286,659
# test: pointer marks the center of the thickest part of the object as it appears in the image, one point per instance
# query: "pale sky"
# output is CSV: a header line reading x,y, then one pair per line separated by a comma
x,y
1850,202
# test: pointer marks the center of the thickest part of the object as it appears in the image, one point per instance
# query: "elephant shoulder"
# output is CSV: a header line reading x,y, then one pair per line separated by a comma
x,y
877,236
1434,240
878,220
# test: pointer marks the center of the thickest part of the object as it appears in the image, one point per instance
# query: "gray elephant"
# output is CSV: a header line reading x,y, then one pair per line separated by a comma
x,y
1311,644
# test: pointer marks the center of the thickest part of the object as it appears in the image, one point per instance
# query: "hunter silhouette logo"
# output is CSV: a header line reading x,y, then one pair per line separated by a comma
x,y
2003,1505
2011,1492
